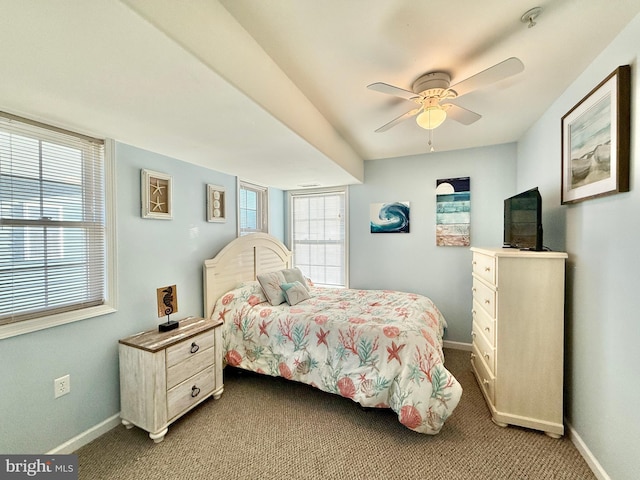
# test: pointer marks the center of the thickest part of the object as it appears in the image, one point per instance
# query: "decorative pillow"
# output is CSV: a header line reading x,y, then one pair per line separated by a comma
x,y
270,283
294,292
295,275
254,291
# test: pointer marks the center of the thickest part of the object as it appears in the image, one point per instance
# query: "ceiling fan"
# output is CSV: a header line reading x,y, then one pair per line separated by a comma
x,y
431,89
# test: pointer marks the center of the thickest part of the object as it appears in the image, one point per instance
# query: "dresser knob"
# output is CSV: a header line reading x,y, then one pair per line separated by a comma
x,y
195,391
485,382
194,347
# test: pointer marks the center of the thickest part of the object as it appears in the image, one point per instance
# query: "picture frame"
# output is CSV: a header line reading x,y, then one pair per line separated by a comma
x,y
216,203
596,136
390,217
156,191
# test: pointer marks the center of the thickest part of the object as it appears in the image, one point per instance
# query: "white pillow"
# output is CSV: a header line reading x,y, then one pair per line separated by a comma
x,y
295,275
270,283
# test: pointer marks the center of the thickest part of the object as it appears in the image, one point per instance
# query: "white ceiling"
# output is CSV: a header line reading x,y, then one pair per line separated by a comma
x,y
274,91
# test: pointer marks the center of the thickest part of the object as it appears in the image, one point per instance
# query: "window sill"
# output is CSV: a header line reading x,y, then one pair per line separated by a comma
x,y
28,326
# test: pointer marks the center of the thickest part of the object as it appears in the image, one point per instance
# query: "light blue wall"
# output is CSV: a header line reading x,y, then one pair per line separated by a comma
x,y
412,262
602,361
151,254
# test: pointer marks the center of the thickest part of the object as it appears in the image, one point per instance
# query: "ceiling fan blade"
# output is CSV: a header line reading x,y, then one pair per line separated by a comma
x,y
391,90
461,115
399,119
500,71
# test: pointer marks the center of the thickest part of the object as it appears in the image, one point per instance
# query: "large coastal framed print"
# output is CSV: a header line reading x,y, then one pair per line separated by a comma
x,y
156,195
596,141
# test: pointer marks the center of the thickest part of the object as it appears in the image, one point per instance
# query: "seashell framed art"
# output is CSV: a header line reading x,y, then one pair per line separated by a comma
x,y
216,203
156,195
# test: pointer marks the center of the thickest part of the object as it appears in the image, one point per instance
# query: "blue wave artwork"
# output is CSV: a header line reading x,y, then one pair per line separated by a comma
x,y
389,217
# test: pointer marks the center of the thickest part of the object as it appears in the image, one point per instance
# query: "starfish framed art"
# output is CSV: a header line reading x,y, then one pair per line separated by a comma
x,y
156,195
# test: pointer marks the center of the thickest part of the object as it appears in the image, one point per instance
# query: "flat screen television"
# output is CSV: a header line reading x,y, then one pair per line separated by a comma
x,y
523,221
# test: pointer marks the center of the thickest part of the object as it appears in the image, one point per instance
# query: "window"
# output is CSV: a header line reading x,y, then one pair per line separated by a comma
x,y
55,240
253,205
318,220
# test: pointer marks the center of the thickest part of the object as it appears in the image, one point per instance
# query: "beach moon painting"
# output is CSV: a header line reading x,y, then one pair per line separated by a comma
x,y
453,212
389,217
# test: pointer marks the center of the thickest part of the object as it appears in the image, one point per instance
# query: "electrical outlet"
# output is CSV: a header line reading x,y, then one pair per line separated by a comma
x,y
61,386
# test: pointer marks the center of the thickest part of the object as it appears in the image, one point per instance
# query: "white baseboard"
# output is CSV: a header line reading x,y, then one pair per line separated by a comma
x,y
457,345
87,436
593,463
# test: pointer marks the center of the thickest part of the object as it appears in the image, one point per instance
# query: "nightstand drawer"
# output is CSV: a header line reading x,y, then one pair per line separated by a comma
x,y
190,347
485,297
486,323
485,267
190,392
192,365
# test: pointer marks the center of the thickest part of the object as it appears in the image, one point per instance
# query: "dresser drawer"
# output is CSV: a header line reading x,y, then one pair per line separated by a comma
x,y
485,267
190,347
485,379
189,392
485,297
484,348
486,323
190,366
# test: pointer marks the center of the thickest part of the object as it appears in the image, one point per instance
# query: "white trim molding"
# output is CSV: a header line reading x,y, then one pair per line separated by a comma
x,y
87,436
582,448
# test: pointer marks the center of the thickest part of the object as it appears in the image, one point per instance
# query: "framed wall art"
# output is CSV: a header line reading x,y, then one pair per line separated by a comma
x,y
389,217
453,212
596,141
156,195
216,203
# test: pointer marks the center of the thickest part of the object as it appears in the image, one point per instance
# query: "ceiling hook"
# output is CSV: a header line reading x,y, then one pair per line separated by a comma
x,y
530,15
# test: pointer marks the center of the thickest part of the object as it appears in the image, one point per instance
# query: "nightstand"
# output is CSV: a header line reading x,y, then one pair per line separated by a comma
x,y
163,375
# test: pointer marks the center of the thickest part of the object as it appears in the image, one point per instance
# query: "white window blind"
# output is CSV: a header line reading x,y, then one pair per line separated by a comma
x,y
253,204
319,238
52,220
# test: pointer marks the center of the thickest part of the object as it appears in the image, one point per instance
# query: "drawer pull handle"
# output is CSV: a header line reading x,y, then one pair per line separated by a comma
x,y
473,355
487,302
195,391
194,347
473,334
487,269
486,355
485,382
487,329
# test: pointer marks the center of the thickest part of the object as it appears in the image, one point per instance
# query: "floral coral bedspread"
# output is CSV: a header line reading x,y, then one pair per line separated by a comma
x,y
378,348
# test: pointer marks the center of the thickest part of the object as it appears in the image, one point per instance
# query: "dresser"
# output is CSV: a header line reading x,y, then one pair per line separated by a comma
x,y
163,375
518,336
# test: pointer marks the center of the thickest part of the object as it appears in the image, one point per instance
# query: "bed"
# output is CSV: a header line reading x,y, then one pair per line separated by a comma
x,y
379,348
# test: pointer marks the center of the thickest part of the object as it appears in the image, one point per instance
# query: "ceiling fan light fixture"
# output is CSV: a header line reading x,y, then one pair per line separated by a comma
x,y
431,117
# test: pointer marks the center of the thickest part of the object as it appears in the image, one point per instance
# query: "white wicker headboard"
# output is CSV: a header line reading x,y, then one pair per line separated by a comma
x,y
241,261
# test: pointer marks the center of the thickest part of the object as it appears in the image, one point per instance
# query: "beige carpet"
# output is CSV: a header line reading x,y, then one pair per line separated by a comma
x,y
268,428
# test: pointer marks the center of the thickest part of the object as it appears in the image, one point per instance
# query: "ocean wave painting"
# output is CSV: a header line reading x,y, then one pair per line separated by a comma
x,y
453,212
389,217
